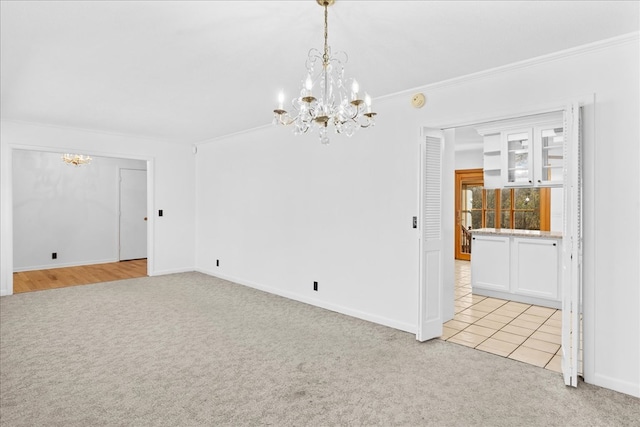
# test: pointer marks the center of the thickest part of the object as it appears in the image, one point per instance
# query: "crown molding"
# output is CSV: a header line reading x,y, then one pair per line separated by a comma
x,y
531,62
102,132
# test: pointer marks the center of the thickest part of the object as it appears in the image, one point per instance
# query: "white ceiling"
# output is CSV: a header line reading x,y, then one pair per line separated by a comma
x,y
188,71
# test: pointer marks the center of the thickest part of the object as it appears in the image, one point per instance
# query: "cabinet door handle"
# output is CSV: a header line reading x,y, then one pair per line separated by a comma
x,y
554,244
529,181
539,181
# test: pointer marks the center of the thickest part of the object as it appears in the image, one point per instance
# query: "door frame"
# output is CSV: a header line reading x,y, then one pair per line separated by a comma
x,y
471,176
587,226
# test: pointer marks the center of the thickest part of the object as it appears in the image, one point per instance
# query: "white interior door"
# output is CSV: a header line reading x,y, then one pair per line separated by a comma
x,y
572,246
133,214
431,241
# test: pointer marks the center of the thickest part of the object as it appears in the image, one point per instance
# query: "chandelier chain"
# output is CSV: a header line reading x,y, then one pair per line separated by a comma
x,y
325,57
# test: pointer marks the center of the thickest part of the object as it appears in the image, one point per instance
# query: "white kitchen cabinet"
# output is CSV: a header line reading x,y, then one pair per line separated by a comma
x,y
530,151
536,267
490,262
517,265
549,154
517,157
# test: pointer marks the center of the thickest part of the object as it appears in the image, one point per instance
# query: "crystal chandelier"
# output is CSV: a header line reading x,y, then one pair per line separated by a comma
x,y
331,103
76,159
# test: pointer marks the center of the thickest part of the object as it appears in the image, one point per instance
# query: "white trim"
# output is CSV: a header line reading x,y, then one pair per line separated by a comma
x,y
93,131
589,221
519,298
172,271
93,153
6,220
556,105
118,208
508,114
315,302
66,264
230,135
531,62
621,386
151,218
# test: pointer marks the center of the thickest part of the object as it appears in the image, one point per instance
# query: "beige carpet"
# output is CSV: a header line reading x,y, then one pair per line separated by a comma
x,y
192,350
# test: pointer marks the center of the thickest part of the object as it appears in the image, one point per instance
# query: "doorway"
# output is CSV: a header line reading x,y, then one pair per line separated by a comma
x,y
469,208
432,288
71,212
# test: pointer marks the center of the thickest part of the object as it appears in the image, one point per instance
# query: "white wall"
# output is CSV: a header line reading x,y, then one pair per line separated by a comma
x,y
171,237
280,211
69,210
469,159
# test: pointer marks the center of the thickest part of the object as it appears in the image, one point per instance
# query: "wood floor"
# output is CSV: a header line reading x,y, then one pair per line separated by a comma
x,y
39,280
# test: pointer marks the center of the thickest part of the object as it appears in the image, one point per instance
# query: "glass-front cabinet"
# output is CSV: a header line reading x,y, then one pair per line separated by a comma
x,y
549,156
524,152
517,157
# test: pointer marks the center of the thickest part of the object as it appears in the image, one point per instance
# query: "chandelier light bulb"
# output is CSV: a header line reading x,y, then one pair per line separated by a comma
x,y
281,100
332,106
355,88
308,84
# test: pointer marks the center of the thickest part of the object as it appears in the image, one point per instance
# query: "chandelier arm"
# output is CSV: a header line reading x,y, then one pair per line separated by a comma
x,y
287,123
356,113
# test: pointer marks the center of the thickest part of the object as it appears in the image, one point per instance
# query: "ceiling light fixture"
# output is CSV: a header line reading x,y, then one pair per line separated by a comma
x,y
76,159
335,104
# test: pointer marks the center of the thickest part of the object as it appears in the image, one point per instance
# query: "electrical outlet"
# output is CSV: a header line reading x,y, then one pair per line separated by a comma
x,y
315,286
54,255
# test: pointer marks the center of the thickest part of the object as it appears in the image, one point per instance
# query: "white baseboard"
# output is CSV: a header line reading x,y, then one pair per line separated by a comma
x,y
315,302
64,264
172,271
622,386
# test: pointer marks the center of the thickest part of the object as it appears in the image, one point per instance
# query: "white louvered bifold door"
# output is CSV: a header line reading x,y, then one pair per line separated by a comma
x,y
572,245
431,253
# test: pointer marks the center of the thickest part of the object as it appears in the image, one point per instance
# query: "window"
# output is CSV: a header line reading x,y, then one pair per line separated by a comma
x,y
520,208
477,207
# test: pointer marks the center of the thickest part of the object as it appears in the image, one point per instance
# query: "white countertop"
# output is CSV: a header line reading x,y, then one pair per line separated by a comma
x,y
517,233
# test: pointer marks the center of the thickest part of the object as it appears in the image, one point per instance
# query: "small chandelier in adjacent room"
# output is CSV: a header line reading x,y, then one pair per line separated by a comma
x,y
76,159
326,97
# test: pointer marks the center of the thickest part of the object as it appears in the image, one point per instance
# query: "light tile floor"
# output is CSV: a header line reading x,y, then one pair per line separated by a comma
x,y
523,332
